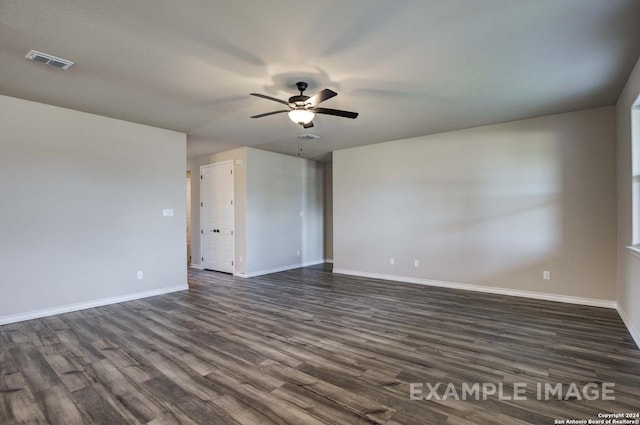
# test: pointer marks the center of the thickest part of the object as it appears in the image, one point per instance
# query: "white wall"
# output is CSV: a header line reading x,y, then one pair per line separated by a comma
x,y
628,263
270,191
239,157
491,206
279,188
313,211
82,199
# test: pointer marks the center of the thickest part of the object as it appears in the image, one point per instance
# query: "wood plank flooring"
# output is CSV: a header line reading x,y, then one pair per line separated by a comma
x,y
309,347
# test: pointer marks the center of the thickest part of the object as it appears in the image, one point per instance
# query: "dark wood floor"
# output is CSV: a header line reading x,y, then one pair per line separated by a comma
x,y
309,347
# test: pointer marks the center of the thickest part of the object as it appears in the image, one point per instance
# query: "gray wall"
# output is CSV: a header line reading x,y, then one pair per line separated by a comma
x,y
628,263
491,206
313,211
279,188
328,211
82,200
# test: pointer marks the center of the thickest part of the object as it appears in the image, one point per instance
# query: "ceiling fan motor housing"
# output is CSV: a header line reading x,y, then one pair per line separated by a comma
x,y
299,99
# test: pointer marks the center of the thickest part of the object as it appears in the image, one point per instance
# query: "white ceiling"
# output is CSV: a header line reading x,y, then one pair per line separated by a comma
x,y
408,67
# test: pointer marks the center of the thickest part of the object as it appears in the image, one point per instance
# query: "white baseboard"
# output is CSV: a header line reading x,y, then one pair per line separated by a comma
x,y
279,269
488,289
90,304
634,250
632,330
313,263
329,260
196,266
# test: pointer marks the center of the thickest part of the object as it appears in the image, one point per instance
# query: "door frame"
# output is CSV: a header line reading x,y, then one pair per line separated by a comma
x,y
233,220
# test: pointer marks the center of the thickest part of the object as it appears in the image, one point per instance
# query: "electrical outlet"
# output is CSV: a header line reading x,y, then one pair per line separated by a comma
x,y
392,261
140,274
546,275
298,252
416,263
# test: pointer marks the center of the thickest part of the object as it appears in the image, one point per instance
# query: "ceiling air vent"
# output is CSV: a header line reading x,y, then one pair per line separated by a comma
x,y
49,59
308,136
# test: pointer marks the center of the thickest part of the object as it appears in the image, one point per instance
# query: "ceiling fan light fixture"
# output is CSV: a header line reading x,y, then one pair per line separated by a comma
x,y
301,116
302,109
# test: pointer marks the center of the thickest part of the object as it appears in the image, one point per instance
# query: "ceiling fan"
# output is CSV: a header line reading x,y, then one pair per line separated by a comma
x,y
303,108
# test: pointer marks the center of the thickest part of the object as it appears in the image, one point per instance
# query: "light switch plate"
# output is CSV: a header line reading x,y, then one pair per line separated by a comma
x,y
167,212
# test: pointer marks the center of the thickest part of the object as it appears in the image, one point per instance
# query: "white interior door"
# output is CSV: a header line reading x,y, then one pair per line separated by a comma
x,y
216,217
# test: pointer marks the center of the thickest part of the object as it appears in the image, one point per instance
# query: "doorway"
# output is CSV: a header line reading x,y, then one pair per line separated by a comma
x,y
188,217
217,217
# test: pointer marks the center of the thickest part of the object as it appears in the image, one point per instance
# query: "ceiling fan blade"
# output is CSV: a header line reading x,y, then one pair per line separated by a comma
x,y
270,113
264,96
321,96
308,125
337,112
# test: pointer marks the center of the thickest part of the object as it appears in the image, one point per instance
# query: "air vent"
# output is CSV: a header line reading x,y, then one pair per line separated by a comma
x,y
49,59
308,136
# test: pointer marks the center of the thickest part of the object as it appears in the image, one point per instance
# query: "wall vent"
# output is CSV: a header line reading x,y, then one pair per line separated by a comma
x,y
49,59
